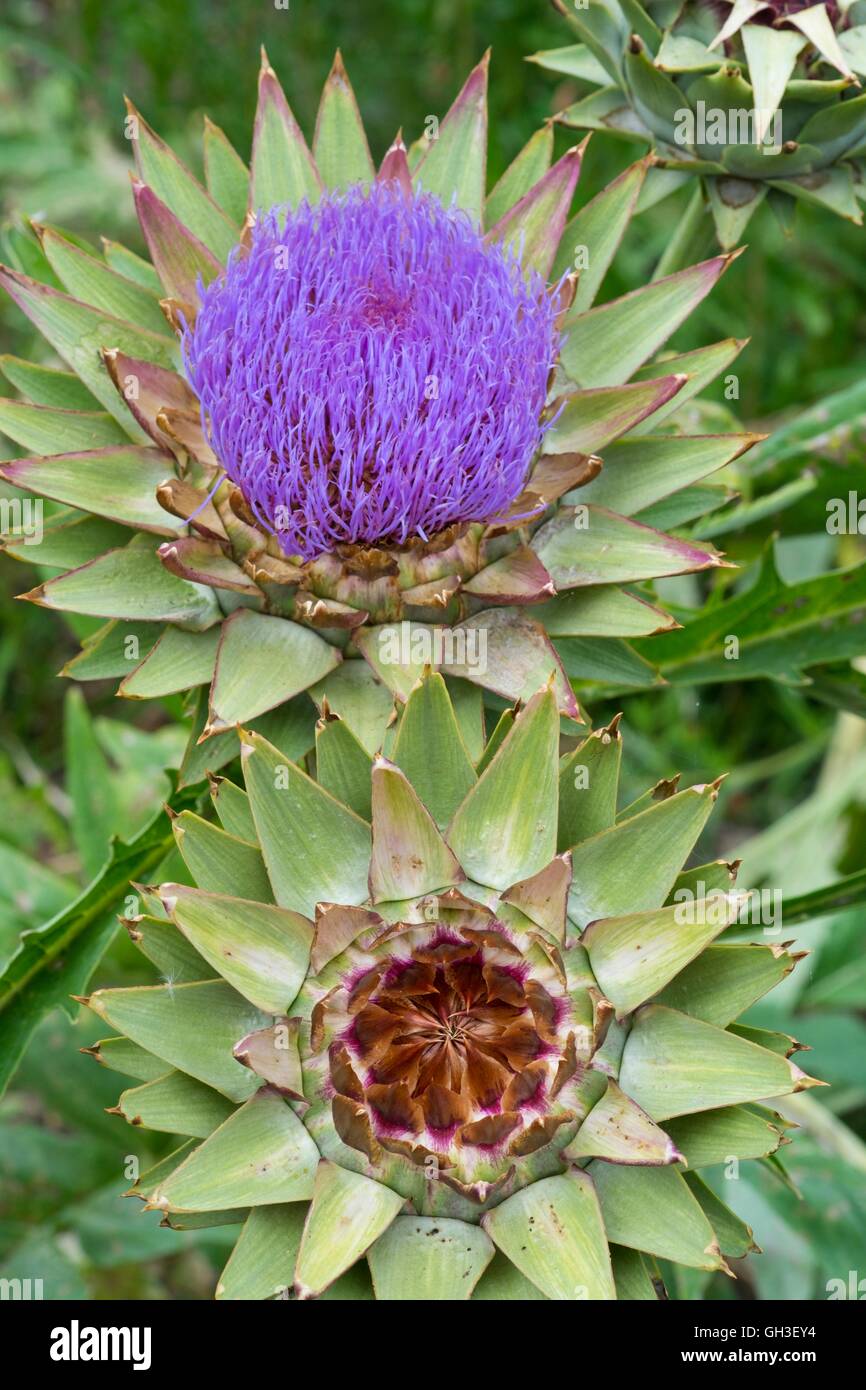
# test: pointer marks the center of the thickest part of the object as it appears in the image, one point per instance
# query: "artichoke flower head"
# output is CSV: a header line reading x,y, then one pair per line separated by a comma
x,y
449,1028
347,422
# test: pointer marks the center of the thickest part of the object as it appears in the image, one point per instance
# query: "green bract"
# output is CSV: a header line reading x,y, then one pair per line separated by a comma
x,y
755,97
437,1028
198,597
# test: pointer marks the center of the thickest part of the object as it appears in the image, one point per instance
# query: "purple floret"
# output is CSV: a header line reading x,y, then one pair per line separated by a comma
x,y
371,371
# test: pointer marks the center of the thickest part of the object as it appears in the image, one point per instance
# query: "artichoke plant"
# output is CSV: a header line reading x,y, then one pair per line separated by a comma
x,y
756,97
347,422
438,1029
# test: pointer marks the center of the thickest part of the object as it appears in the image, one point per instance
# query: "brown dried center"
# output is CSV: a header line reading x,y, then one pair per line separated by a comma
x,y
448,1036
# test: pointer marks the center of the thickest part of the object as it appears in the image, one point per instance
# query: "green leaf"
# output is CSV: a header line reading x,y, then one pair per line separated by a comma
x,y
454,164
429,748
722,1069
552,1231
505,829
90,785
343,767
724,981
262,662
601,611
504,1283
715,1136
46,385
618,1131
262,951
117,482
78,333
193,1027
129,583
640,472
162,944
633,1283
175,1104
298,825
781,629
532,228
348,1213
428,1259
805,907
590,420
606,345
123,1055
282,166
409,856
178,661
631,867
653,1210
173,183
359,698
221,863
260,1156
87,279
58,958
591,238
634,956
262,1264
226,175
734,1236
179,258
133,267
771,55
588,782
232,805
701,367
525,169
340,148
47,430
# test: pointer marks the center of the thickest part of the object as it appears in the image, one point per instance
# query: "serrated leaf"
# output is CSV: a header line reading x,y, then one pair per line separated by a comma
x,y
58,959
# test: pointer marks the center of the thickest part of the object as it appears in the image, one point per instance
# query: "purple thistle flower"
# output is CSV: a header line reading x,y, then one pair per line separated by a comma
x,y
369,370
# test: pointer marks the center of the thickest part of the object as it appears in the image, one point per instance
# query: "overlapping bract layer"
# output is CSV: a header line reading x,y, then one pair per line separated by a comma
x,y
753,97
370,371
409,1038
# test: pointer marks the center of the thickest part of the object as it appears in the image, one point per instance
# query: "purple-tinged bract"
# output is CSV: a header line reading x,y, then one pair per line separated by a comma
x,y
370,370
